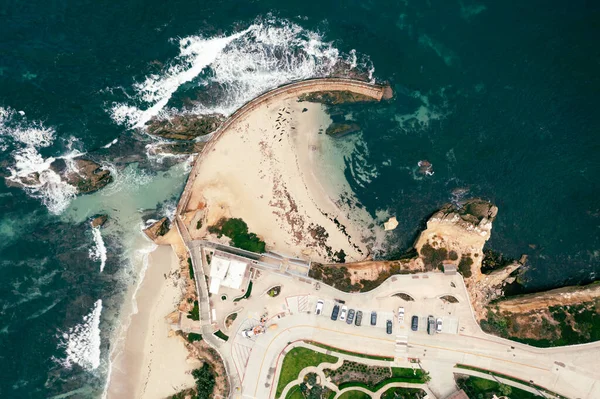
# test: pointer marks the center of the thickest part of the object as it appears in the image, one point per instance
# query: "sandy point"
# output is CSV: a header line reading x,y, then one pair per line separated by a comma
x,y
273,169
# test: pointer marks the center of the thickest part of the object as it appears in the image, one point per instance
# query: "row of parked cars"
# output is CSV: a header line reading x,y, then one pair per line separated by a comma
x,y
433,325
351,316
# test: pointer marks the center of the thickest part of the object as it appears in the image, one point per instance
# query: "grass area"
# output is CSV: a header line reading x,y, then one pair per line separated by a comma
x,y
193,337
194,314
403,393
246,295
480,388
345,352
222,335
295,361
294,393
237,231
354,395
191,269
508,377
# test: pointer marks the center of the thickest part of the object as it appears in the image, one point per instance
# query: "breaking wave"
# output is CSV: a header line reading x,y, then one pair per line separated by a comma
x,y
267,54
82,342
30,169
98,251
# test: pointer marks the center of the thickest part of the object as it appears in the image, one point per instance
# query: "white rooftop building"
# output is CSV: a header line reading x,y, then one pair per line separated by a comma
x,y
226,272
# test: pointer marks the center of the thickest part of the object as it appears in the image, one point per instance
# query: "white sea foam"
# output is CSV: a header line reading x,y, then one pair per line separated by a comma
x,y
82,342
98,251
30,169
110,144
267,54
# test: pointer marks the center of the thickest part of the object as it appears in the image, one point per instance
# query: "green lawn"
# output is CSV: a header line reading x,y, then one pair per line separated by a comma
x,y
403,393
476,388
294,393
354,395
295,361
357,354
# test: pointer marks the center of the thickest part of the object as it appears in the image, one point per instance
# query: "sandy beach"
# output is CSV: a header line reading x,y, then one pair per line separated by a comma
x,y
268,169
152,362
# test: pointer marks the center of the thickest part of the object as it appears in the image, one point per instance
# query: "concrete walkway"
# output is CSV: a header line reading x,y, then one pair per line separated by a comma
x,y
319,370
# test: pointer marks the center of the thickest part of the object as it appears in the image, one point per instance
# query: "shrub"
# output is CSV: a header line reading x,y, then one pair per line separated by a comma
x,y
464,266
191,267
193,337
199,225
237,230
205,381
194,314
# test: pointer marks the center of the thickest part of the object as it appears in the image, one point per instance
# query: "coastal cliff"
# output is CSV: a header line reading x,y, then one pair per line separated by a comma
x,y
563,316
455,235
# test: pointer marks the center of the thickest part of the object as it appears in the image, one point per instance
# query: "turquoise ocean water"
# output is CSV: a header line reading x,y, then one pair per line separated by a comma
x,y
501,98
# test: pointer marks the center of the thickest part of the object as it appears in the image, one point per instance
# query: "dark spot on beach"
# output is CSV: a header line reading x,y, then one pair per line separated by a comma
x,y
304,109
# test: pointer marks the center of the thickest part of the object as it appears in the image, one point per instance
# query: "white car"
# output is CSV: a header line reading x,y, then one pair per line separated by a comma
x,y
319,308
249,333
343,313
400,315
438,325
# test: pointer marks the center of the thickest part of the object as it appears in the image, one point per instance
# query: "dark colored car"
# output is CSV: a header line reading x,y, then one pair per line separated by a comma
x,y
388,326
350,317
373,318
430,325
335,312
358,319
414,323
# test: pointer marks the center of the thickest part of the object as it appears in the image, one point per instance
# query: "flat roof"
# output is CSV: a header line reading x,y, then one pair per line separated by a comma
x,y
226,272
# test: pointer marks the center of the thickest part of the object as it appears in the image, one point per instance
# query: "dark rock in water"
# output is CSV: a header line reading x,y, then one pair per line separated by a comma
x,y
99,220
158,229
178,148
425,168
87,176
335,97
341,129
185,127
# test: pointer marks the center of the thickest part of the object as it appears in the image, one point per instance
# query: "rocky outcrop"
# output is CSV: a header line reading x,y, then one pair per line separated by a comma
x,y
335,97
341,129
158,229
474,216
87,176
185,127
99,220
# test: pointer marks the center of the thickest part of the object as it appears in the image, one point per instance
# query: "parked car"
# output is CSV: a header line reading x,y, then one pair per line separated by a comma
x,y
249,333
343,313
438,325
335,312
414,324
319,308
430,325
388,326
350,318
400,315
373,318
358,320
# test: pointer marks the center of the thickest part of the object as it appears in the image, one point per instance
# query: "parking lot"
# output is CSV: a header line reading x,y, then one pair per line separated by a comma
x,y
449,322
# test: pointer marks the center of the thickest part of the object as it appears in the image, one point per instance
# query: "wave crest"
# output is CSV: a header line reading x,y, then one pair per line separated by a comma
x,y
240,66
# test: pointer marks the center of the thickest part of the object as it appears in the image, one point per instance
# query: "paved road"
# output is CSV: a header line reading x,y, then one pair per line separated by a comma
x,y
579,378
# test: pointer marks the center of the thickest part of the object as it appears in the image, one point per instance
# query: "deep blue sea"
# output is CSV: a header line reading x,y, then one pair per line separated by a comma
x,y
501,97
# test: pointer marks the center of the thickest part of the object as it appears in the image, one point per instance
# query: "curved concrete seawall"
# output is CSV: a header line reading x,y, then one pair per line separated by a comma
x,y
375,91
